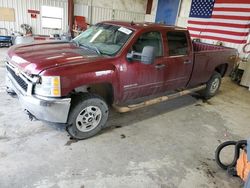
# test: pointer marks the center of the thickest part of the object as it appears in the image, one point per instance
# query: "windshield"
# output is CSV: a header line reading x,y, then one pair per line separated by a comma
x,y
104,39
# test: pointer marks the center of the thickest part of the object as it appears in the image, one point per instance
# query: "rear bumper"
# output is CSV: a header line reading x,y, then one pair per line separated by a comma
x,y
43,108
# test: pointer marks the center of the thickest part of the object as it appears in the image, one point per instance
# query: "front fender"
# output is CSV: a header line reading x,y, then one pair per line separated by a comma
x,y
76,76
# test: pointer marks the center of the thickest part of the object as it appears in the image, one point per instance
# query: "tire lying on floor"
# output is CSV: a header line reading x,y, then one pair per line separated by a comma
x,y
88,115
213,86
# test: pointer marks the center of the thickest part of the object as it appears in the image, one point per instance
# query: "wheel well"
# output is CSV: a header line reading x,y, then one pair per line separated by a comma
x,y
222,69
105,90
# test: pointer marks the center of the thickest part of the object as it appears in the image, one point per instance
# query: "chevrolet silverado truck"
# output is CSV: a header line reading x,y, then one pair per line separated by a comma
x,y
120,64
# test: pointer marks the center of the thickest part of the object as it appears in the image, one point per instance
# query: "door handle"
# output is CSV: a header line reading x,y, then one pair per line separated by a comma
x,y
160,66
187,62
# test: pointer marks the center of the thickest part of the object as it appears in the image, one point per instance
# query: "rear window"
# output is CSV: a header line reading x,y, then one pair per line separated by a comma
x,y
177,43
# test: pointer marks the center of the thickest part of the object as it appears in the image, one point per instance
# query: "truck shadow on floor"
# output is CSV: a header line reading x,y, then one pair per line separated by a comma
x,y
118,120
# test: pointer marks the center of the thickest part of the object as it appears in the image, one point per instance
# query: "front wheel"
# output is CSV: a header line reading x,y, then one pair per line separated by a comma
x,y
213,86
87,117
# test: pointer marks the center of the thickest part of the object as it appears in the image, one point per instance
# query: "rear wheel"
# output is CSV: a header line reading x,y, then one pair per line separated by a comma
x,y
213,86
89,113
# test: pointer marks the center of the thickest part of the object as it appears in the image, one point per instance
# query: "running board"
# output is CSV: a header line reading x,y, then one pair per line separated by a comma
x,y
132,107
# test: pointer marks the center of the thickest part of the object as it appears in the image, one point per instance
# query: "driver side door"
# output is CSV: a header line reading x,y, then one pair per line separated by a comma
x,y
145,79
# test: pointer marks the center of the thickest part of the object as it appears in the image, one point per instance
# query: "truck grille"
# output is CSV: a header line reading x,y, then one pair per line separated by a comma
x,y
18,79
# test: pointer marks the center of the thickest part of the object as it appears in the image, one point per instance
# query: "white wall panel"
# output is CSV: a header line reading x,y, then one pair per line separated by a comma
x,y
184,13
98,14
81,10
128,16
101,14
22,16
124,10
127,5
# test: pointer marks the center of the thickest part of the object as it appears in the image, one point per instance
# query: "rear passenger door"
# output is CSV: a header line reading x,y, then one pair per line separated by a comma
x,y
179,59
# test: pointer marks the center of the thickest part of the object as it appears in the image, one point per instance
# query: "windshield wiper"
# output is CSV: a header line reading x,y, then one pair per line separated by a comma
x,y
91,47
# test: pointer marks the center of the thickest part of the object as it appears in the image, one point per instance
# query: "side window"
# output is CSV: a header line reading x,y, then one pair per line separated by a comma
x,y
152,38
177,43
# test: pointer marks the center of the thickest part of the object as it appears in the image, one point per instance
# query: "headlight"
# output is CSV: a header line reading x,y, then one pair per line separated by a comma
x,y
49,86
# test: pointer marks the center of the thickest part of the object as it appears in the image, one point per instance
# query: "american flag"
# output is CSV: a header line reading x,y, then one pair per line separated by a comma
x,y
220,20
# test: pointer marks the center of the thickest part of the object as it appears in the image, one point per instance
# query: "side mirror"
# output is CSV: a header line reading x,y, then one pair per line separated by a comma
x,y
148,55
130,56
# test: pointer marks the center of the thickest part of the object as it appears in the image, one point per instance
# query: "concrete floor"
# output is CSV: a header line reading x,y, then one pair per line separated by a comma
x,y
167,145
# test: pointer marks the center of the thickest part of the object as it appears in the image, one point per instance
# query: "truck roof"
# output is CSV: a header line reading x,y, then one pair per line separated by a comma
x,y
142,25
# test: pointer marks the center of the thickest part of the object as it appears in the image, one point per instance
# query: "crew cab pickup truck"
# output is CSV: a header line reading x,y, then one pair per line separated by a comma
x,y
120,64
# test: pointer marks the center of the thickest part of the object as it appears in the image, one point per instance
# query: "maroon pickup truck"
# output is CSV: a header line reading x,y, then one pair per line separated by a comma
x,y
119,64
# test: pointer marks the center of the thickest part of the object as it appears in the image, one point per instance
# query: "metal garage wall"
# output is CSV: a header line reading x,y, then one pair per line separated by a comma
x,y
81,10
98,14
22,16
100,10
128,16
101,14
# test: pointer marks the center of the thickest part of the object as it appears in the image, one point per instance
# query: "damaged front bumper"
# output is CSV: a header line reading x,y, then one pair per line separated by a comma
x,y
54,110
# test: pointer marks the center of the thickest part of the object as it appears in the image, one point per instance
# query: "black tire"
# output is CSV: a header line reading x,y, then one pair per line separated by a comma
x,y
80,126
213,86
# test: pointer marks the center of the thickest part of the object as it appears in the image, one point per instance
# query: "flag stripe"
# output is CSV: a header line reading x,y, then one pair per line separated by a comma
x,y
238,5
231,17
202,23
219,39
229,13
201,27
232,9
232,1
219,31
242,22
218,35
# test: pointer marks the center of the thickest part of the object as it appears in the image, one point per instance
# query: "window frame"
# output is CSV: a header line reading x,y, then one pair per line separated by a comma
x,y
187,40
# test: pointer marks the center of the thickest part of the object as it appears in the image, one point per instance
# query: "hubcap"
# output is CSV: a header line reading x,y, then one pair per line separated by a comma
x,y
89,118
215,85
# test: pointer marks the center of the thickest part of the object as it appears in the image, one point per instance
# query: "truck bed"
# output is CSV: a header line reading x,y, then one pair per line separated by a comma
x,y
207,58
201,47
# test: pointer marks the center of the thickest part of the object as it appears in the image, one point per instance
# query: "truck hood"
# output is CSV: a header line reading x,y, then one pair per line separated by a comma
x,y
37,57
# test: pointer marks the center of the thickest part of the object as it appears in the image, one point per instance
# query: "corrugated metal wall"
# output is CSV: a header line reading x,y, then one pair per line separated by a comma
x,y
129,16
94,14
81,10
22,16
97,14
101,14
104,14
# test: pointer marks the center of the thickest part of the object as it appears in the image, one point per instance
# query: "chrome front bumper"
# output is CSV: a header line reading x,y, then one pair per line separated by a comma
x,y
42,108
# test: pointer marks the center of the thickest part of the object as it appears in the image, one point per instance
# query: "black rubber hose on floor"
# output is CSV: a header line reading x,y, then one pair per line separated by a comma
x,y
217,153
238,146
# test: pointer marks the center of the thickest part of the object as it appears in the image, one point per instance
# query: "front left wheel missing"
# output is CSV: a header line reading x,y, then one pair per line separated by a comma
x,y
87,116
